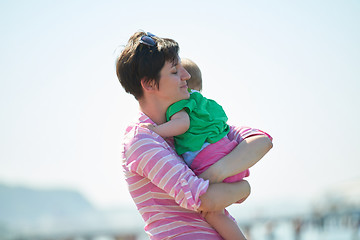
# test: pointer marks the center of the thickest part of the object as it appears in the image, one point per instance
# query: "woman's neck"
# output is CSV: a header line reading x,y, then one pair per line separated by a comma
x,y
154,110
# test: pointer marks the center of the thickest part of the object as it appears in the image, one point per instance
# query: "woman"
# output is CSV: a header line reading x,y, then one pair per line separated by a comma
x,y
167,193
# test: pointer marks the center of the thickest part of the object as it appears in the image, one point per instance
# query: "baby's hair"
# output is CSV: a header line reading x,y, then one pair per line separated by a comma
x,y
195,82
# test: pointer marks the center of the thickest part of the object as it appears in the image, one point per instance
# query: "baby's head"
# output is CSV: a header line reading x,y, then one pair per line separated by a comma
x,y
195,82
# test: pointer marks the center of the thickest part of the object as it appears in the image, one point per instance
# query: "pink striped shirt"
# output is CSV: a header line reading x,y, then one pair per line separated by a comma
x,y
165,191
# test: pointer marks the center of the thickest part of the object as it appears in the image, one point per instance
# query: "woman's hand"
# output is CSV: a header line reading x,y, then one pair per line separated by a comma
x,y
220,195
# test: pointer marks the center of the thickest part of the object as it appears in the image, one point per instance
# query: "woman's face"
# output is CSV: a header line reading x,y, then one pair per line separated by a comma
x,y
172,84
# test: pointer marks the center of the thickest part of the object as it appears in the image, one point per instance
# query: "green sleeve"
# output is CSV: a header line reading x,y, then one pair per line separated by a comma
x,y
187,104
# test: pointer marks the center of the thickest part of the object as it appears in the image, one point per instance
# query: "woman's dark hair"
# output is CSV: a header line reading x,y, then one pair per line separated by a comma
x,y
139,61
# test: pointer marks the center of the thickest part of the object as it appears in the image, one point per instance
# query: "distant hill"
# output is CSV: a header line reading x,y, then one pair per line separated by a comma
x,y
27,208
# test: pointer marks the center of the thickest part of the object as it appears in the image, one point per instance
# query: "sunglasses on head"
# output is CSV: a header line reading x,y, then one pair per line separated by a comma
x,y
148,39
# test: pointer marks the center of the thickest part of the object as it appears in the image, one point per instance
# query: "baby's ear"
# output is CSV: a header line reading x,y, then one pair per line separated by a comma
x,y
147,84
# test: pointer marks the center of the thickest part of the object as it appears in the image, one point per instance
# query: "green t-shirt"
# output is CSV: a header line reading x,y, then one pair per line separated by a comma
x,y
207,122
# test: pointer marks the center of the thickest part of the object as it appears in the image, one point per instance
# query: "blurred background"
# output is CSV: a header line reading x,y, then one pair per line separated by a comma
x,y
290,68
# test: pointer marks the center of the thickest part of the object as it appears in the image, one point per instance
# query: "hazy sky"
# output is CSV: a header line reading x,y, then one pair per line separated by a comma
x,y
291,68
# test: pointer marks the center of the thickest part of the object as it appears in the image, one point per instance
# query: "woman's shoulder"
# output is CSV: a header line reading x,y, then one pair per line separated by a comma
x,y
140,136
136,132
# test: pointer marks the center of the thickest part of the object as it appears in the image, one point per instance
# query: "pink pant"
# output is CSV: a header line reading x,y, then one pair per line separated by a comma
x,y
214,152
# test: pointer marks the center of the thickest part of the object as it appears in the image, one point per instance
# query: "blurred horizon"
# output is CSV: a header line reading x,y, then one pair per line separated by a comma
x,y
66,214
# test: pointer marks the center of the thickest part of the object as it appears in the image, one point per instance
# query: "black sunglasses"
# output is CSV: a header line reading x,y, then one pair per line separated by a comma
x,y
148,39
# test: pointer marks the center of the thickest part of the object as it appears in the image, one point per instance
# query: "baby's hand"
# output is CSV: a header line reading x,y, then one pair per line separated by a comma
x,y
148,126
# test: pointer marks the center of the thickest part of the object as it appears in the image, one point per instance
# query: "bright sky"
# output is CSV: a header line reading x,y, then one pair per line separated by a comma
x,y
290,68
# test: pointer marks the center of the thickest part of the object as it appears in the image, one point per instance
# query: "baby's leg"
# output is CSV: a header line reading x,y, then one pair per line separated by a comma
x,y
242,157
226,227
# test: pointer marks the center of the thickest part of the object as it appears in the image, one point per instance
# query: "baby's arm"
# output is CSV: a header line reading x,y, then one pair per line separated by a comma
x,y
179,123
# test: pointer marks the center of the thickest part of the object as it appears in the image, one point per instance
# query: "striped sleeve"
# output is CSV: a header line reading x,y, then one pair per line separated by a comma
x,y
240,133
147,157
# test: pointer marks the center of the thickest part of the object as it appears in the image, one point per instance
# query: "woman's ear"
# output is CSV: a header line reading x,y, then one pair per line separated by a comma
x,y
147,85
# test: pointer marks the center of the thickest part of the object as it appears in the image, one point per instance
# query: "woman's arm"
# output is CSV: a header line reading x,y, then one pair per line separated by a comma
x,y
179,123
220,195
245,155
